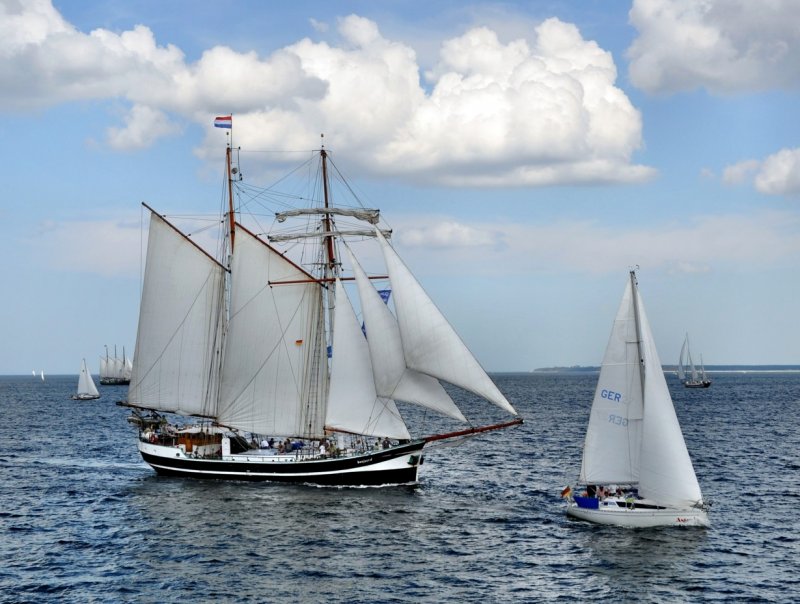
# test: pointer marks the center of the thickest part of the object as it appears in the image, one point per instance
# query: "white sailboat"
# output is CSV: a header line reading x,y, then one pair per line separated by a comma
x,y
262,346
688,372
636,470
86,389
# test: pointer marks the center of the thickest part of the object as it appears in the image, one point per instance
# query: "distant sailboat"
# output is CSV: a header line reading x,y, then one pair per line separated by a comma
x,y
636,470
86,389
42,374
695,378
115,371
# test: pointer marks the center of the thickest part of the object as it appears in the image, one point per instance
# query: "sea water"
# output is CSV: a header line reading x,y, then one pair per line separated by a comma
x,y
83,519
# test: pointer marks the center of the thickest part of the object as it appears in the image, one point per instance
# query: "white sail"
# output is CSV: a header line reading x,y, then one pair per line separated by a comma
x,y
103,368
666,473
179,325
353,404
613,439
393,379
682,359
275,368
128,370
86,383
430,343
118,369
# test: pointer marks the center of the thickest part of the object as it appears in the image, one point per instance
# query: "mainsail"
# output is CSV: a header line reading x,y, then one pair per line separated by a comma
x,y
613,439
274,376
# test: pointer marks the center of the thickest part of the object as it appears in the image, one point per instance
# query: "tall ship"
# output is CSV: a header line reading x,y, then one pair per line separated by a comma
x,y
115,370
285,350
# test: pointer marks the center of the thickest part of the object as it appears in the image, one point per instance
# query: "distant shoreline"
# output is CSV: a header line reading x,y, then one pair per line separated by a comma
x,y
580,369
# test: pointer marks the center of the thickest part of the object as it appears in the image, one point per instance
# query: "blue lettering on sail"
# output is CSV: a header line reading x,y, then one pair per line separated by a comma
x,y
618,420
611,395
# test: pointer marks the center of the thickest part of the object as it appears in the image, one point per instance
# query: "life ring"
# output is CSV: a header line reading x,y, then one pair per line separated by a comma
x,y
153,437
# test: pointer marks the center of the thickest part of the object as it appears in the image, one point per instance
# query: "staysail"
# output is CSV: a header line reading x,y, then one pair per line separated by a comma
x,y
430,344
353,403
393,378
180,320
613,439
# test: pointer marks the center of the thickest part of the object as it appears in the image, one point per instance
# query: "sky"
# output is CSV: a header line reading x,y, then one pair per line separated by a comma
x,y
526,154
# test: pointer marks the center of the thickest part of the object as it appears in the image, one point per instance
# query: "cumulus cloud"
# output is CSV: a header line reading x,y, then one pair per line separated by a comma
x,y
725,46
143,126
778,174
494,113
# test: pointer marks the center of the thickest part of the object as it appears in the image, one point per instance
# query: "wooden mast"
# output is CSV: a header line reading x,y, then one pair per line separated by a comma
x,y
327,218
231,220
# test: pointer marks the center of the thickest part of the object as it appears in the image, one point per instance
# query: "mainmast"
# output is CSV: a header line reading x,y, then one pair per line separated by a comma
x,y
326,220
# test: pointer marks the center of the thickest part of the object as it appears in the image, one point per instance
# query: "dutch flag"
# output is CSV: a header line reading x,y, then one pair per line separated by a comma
x,y
225,121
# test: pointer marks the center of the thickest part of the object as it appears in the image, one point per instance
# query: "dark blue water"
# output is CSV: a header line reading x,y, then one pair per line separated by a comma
x,y
84,520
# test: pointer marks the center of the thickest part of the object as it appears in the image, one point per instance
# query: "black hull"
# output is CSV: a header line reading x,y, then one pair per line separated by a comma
x,y
344,471
702,385
114,382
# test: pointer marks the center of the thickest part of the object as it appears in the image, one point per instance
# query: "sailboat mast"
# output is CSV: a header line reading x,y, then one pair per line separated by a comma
x,y
331,259
231,220
635,294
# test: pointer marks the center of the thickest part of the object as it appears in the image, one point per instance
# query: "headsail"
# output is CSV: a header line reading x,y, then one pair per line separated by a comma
x,y
393,379
353,403
430,343
666,473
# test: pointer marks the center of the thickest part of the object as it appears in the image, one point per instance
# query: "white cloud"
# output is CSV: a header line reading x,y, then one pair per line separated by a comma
x,y
778,174
740,172
495,114
143,125
724,46
447,233
702,244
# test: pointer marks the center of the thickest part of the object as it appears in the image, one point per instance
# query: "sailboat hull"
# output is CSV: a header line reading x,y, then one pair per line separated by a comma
x,y
616,515
397,465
